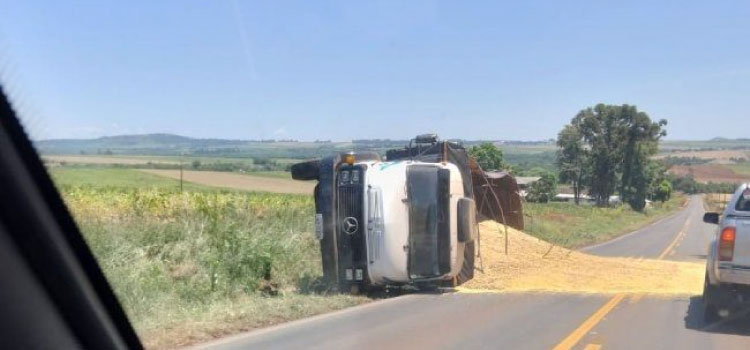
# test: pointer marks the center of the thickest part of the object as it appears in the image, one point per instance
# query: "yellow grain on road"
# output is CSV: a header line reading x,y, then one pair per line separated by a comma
x,y
573,338
530,266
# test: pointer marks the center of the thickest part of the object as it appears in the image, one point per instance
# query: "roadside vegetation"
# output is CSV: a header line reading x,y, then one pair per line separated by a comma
x,y
574,226
194,265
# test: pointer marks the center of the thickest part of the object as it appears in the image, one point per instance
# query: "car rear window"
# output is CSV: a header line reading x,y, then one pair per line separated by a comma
x,y
743,204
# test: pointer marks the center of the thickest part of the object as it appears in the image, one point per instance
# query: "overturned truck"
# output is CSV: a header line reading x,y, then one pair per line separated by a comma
x,y
408,219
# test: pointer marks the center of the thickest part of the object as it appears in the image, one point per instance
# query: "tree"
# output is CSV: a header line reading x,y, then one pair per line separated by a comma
x,y
641,142
663,192
488,156
602,130
641,176
196,164
614,144
544,189
572,158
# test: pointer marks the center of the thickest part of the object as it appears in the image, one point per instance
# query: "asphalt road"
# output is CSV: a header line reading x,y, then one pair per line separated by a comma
x,y
527,320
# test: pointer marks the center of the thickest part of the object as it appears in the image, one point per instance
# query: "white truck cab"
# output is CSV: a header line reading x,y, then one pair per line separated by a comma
x,y
407,220
727,283
411,222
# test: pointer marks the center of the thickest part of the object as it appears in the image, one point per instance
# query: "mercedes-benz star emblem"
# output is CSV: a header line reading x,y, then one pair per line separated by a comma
x,y
351,225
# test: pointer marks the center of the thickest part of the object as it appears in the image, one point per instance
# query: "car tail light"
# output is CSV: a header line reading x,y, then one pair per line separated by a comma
x,y
726,243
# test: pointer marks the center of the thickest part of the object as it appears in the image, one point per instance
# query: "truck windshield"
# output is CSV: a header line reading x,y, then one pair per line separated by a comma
x,y
429,238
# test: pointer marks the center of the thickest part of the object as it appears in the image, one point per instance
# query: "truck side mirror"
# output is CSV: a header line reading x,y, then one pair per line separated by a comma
x,y
711,218
467,220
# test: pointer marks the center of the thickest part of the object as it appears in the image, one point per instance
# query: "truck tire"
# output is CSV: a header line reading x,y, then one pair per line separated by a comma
x,y
467,269
710,299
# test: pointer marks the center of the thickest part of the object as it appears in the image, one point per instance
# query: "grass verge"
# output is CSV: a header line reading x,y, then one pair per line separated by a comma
x,y
195,265
575,226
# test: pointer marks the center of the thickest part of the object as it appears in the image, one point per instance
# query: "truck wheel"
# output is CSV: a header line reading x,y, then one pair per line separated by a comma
x,y
710,298
467,269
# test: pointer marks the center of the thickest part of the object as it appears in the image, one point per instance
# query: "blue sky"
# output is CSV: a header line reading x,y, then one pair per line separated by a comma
x,y
354,69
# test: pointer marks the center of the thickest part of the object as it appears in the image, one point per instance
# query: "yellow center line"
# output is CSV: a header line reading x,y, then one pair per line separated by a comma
x,y
574,337
675,240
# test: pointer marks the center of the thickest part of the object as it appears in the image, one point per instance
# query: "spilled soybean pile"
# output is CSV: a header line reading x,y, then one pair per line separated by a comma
x,y
531,265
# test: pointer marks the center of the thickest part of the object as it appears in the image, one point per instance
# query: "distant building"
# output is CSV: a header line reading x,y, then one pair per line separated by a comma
x,y
524,182
585,199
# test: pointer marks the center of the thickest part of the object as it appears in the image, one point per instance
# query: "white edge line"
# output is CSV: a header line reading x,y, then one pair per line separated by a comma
x,y
299,322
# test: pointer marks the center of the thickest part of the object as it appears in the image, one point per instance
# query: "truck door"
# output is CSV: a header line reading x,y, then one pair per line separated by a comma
x,y
428,192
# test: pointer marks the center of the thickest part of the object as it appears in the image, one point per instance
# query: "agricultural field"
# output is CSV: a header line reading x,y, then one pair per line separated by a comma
x,y
102,177
194,265
108,160
116,178
717,173
708,154
575,226
742,169
269,182
713,144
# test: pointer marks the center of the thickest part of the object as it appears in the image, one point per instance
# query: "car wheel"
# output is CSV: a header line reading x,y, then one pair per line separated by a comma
x,y
710,299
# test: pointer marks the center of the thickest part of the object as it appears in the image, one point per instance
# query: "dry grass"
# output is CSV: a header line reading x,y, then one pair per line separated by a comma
x,y
532,266
239,181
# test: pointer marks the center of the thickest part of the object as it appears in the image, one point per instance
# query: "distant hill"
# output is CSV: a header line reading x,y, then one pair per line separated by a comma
x,y
123,143
170,144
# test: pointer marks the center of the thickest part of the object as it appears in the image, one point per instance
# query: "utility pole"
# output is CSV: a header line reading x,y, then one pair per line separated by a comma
x,y
180,176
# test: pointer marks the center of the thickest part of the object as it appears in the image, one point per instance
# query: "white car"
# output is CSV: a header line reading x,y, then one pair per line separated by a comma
x,y
727,283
